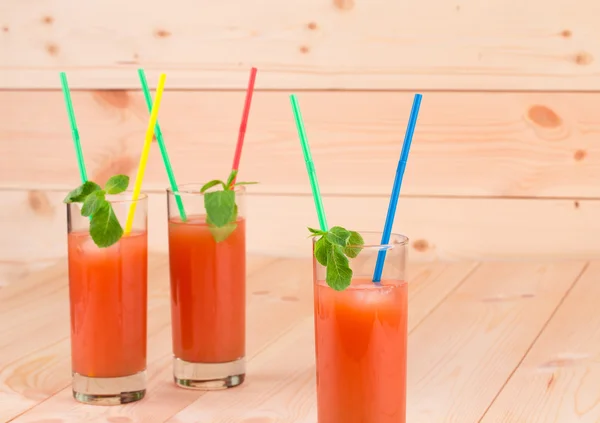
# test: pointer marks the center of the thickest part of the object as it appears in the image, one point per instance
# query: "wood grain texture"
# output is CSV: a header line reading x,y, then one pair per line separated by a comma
x,y
466,144
462,354
438,228
328,44
34,372
557,380
38,365
282,388
35,348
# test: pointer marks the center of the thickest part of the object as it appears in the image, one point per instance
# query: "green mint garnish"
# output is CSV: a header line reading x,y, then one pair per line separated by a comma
x,y
338,236
82,191
333,249
353,248
105,228
221,208
117,184
93,203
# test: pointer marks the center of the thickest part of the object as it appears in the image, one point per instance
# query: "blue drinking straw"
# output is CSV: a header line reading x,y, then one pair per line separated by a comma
x,y
391,213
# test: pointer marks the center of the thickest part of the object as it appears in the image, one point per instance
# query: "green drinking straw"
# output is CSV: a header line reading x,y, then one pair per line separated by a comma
x,y
163,148
310,166
74,131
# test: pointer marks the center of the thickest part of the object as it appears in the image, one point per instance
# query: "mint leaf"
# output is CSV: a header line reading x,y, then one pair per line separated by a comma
x,y
245,183
355,245
322,247
333,249
105,228
79,194
222,233
338,235
220,207
232,176
339,274
93,203
211,184
316,231
117,184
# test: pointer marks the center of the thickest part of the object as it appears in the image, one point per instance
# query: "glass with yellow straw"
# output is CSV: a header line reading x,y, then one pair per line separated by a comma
x,y
108,279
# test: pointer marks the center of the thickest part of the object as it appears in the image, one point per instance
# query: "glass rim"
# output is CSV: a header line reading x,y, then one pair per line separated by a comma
x,y
186,189
120,198
402,241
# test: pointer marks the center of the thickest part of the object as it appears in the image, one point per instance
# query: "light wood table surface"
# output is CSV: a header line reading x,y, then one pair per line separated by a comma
x,y
489,342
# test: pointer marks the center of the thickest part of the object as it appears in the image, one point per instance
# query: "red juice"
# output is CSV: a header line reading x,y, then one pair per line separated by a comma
x,y
108,297
208,291
361,345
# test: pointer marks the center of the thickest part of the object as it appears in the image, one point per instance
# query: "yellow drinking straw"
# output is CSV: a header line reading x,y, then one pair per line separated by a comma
x,y
145,151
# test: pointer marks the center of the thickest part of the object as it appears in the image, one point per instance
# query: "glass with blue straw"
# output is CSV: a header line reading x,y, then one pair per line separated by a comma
x,y
361,329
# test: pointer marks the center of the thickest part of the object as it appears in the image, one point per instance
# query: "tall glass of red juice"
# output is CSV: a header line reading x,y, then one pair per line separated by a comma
x,y
360,338
208,295
108,297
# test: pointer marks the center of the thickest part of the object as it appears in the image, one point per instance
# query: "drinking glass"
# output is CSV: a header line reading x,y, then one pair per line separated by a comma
x,y
208,294
361,338
108,306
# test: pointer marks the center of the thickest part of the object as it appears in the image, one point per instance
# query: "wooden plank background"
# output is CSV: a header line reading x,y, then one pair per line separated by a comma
x,y
342,44
505,162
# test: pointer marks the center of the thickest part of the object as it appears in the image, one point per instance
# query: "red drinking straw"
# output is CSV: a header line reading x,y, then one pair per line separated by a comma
x,y
244,123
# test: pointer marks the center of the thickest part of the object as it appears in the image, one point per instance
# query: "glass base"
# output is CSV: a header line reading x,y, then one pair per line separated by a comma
x,y
109,390
209,376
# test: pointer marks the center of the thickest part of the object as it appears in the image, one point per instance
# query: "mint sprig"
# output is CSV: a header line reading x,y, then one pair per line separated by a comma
x,y
105,228
333,249
221,208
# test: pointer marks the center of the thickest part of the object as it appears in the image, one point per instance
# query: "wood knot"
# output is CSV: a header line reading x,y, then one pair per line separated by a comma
x,y
583,58
421,245
576,204
458,7
344,4
52,49
5,28
289,298
114,98
47,20
565,360
121,165
550,382
304,49
162,33
566,33
39,203
312,26
544,117
579,155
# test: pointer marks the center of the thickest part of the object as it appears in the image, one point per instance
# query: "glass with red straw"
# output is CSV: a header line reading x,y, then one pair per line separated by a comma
x,y
207,259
